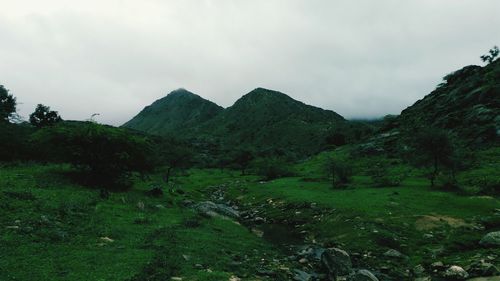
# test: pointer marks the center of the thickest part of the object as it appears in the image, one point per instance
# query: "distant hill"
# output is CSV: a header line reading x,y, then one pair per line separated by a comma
x,y
262,119
467,103
271,119
177,111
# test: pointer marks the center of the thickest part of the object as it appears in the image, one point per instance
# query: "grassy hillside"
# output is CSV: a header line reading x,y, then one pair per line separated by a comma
x,y
177,111
55,229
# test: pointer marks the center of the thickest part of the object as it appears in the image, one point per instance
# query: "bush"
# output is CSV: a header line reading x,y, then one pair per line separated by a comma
x,y
272,168
107,155
339,171
13,142
484,180
385,175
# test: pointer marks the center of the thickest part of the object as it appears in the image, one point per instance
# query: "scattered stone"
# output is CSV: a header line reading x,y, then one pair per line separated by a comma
x,y
455,272
394,254
301,275
264,272
210,209
491,239
198,266
438,264
140,205
363,275
418,271
337,262
176,278
428,236
12,227
482,268
303,261
107,239
234,278
186,257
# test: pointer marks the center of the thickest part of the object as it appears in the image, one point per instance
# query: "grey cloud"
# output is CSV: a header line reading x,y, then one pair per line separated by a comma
x,y
359,58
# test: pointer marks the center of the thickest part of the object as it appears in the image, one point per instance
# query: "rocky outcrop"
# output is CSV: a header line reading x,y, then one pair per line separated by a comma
x,y
210,209
491,239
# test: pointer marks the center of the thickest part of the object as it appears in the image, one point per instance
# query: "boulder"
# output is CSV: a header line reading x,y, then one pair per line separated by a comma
x,y
336,261
301,275
491,239
483,268
394,254
455,272
363,275
210,209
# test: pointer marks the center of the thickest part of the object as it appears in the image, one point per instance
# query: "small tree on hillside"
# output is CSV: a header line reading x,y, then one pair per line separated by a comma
x,y
338,171
173,156
434,149
43,117
242,159
7,105
493,54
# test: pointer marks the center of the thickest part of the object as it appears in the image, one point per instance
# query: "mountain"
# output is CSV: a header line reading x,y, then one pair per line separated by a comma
x,y
466,103
262,119
179,110
271,119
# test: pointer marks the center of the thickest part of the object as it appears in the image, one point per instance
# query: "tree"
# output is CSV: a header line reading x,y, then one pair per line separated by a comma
x,y
107,156
242,159
493,54
338,171
43,116
434,149
173,156
7,105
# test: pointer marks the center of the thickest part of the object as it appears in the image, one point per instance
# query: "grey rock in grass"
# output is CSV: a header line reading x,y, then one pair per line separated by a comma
x,y
491,239
394,254
210,209
337,262
363,275
455,272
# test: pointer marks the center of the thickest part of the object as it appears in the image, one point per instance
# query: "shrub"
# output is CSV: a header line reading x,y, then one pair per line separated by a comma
x,y
339,171
107,155
272,168
484,180
384,175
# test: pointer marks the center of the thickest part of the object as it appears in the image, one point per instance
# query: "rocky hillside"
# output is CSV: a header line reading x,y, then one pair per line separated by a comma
x,y
178,110
467,103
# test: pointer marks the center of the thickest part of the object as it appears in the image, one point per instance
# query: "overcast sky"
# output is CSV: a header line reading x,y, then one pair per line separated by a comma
x,y
358,58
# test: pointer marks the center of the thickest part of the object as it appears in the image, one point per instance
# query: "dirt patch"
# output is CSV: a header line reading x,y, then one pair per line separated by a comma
x,y
429,222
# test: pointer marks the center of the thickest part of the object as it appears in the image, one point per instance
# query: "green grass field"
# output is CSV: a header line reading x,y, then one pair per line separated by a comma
x,y
54,229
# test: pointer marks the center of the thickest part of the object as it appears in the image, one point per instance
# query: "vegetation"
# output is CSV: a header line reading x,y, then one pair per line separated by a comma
x,y
43,117
493,54
7,105
106,156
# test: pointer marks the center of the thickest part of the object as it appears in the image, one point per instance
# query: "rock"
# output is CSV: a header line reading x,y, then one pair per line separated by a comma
x,y
107,239
455,272
303,260
337,262
210,209
140,205
482,268
438,264
491,239
301,275
394,254
363,275
418,271
263,272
